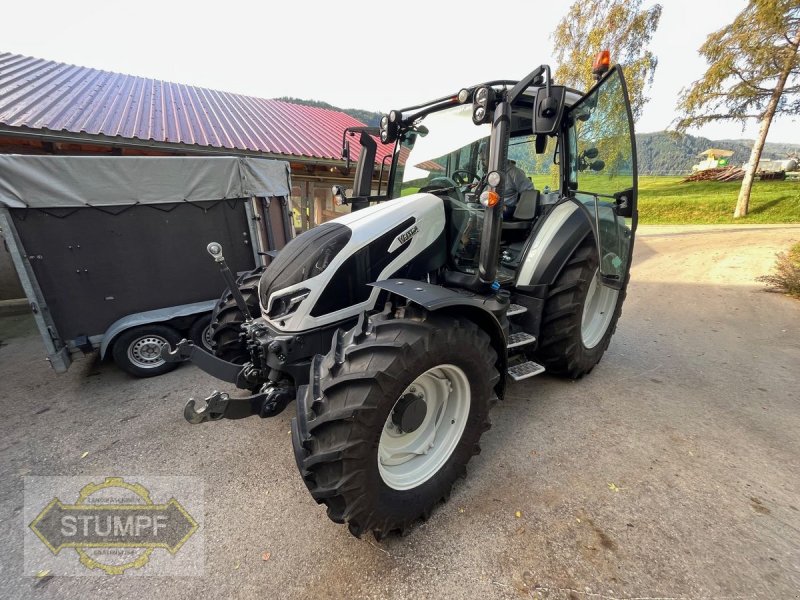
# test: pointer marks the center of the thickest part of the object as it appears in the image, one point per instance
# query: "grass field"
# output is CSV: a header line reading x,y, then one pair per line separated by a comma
x,y
668,201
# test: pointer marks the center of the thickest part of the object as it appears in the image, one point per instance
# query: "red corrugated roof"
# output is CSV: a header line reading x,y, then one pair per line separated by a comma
x,y
56,97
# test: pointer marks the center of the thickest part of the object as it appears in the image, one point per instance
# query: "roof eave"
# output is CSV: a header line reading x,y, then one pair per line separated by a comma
x,y
123,142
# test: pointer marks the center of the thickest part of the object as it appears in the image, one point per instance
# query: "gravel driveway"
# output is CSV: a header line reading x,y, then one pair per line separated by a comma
x,y
672,471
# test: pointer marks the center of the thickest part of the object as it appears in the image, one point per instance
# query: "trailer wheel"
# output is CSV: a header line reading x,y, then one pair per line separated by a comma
x,y
396,416
579,317
227,319
200,333
138,350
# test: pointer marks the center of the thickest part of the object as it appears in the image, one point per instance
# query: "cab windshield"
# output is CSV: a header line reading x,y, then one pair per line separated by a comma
x,y
447,154
441,153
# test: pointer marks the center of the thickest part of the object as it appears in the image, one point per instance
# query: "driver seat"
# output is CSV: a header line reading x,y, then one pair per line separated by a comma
x,y
525,210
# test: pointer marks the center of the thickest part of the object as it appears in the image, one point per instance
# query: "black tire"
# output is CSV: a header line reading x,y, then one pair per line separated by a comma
x,y
336,434
561,349
227,319
199,332
134,350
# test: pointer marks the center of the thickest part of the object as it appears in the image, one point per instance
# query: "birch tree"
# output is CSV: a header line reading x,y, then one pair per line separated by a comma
x,y
620,26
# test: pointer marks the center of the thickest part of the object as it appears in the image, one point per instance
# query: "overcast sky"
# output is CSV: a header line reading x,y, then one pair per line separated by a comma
x,y
372,55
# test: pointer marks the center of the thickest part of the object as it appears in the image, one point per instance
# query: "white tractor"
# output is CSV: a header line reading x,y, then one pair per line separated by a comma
x,y
397,327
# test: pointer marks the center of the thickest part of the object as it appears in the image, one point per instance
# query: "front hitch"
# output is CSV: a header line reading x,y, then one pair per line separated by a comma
x,y
216,367
220,405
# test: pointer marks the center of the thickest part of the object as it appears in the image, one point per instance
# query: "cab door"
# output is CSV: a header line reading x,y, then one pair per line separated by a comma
x,y
601,172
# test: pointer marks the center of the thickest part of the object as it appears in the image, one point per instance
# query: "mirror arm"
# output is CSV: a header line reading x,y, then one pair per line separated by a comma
x,y
524,83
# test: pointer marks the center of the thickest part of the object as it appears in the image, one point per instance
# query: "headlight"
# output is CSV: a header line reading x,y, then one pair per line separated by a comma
x,y
482,105
283,306
390,126
306,256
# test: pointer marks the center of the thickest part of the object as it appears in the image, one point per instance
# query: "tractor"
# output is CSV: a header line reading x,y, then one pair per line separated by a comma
x,y
396,327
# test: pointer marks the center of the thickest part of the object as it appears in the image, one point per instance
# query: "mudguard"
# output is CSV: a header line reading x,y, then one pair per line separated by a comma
x,y
479,309
152,316
553,241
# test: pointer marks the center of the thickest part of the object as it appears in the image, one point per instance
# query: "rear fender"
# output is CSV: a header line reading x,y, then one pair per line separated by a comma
x,y
552,243
438,299
152,316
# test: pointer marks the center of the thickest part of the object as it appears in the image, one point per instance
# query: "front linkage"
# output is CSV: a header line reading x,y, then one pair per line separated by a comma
x,y
271,353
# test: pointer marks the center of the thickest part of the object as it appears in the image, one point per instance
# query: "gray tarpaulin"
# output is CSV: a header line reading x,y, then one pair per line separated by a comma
x,y
67,181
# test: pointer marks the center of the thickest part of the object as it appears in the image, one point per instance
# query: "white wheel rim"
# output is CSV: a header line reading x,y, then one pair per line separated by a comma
x,y
408,459
598,310
145,352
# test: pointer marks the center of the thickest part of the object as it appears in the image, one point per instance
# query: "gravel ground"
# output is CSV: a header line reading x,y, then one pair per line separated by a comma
x,y
672,471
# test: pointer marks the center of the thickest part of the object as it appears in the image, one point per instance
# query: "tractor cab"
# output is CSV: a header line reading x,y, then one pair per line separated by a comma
x,y
549,145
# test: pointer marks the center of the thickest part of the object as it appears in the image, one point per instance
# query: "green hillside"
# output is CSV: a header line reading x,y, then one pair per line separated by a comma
x,y
365,116
668,153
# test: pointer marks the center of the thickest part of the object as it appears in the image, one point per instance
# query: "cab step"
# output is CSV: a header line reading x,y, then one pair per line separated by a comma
x,y
515,309
525,370
515,340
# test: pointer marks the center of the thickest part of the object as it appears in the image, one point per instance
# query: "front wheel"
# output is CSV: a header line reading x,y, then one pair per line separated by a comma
x,y
396,415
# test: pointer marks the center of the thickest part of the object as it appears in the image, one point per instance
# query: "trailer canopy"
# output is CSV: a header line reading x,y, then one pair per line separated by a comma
x,y
76,181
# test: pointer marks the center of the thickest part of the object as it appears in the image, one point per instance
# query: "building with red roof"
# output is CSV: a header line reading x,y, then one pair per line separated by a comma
x,y
51,107
48,107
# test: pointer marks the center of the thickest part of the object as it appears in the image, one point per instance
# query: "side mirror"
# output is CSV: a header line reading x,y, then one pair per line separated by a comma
x,y
590,153
597,165
346,152
362,183
548,108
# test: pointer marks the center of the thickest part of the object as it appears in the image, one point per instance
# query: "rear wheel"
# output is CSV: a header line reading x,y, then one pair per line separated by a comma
x,y
200,333
138,350
227,319
397,414
579,317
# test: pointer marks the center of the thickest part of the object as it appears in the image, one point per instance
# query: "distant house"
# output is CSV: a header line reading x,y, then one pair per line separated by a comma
x,y
713,158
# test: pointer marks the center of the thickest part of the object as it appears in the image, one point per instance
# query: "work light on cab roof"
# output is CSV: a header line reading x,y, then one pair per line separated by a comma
x,y
601,64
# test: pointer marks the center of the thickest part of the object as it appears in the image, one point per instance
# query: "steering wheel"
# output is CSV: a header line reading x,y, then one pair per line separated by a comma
x,y
442,182
463,177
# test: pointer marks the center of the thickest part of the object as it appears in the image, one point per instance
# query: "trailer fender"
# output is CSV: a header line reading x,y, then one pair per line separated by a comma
x,y
152,316
455,303
553,242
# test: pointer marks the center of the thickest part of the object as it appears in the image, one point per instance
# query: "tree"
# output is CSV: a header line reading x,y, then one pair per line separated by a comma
x,y
754,73
620,26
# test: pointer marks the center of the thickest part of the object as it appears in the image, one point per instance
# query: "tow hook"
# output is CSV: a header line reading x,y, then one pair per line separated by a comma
x,y
212,409
220,405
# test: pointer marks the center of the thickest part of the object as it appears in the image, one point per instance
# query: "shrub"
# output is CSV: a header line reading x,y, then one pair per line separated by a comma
x,y
786,278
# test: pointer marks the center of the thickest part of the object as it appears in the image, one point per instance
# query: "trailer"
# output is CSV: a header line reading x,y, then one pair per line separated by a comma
x,y
109,250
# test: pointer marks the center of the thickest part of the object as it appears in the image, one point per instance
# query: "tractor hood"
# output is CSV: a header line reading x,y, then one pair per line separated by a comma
x,y
323,275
